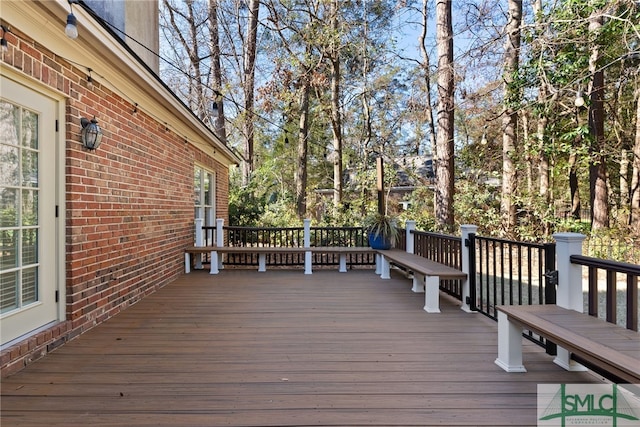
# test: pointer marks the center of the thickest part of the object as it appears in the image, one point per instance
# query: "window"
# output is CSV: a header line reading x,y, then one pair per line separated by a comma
x,y
205,197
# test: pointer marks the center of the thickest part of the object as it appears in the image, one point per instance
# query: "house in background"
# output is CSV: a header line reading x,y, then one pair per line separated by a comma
x,y
86,233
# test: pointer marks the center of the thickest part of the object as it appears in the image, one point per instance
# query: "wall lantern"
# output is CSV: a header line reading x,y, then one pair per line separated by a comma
x,y
91,133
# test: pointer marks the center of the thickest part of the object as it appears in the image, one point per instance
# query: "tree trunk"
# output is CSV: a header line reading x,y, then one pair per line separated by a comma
x,y
543,160
426,67
303,132
336,121
248,89
443,157
597,169
528,159
634,215
573,186
510,118
624,181
218,121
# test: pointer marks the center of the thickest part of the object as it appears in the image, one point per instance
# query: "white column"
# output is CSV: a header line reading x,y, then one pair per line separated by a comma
x,y
262,262
343,263
432,294
308,255
187,262
569,291
384,268
378,264
220,232
418,283
214,263
466,229
509,345
220,241
410,225
199,222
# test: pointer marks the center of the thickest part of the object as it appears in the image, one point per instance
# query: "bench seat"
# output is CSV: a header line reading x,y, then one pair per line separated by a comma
x,y
599,344
426,274
262,251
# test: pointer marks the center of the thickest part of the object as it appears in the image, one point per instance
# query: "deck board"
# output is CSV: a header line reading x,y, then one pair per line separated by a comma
x,y
282,349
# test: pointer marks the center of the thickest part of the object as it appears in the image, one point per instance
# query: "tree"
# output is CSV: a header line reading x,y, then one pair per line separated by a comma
x,y
248,87
216,72
634,215
426,69
444,154
333,54
597,168
510,117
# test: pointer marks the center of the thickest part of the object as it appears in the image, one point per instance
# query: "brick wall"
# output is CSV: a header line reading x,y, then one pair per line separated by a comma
x,y
129,205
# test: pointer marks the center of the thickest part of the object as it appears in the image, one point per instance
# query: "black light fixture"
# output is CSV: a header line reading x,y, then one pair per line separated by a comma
x,y
71,30
3,40
89,79
91,133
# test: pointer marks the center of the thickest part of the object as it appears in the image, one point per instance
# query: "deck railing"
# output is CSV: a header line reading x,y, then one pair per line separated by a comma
x,y
511,273
613,297
291,237
444,249
499,271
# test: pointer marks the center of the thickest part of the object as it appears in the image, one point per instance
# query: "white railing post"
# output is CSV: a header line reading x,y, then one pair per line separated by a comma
x,y
220,232
198,223
569,291
466,229
410,225
308,269
220,240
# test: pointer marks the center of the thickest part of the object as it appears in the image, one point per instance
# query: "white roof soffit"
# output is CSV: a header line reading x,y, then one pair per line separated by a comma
x,y
96,48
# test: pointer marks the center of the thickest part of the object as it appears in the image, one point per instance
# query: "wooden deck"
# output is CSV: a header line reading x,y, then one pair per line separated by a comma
x,y
282,349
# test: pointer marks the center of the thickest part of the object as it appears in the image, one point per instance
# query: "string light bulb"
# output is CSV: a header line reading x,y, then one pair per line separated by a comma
x,y
579,101
71,30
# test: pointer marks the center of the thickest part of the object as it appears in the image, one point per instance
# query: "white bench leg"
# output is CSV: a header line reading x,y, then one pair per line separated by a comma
x,y
432,294
262,262
187,263
221,259
198,261
384,268
509,344
214,262
308,262
418,283
343,263
378,264
563,359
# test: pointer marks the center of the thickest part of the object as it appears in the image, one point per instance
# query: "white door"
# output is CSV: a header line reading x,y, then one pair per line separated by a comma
x,y
27,210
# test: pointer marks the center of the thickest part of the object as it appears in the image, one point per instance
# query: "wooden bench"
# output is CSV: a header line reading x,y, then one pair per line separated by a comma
x,y
601,345
342,251
426,274
262,252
